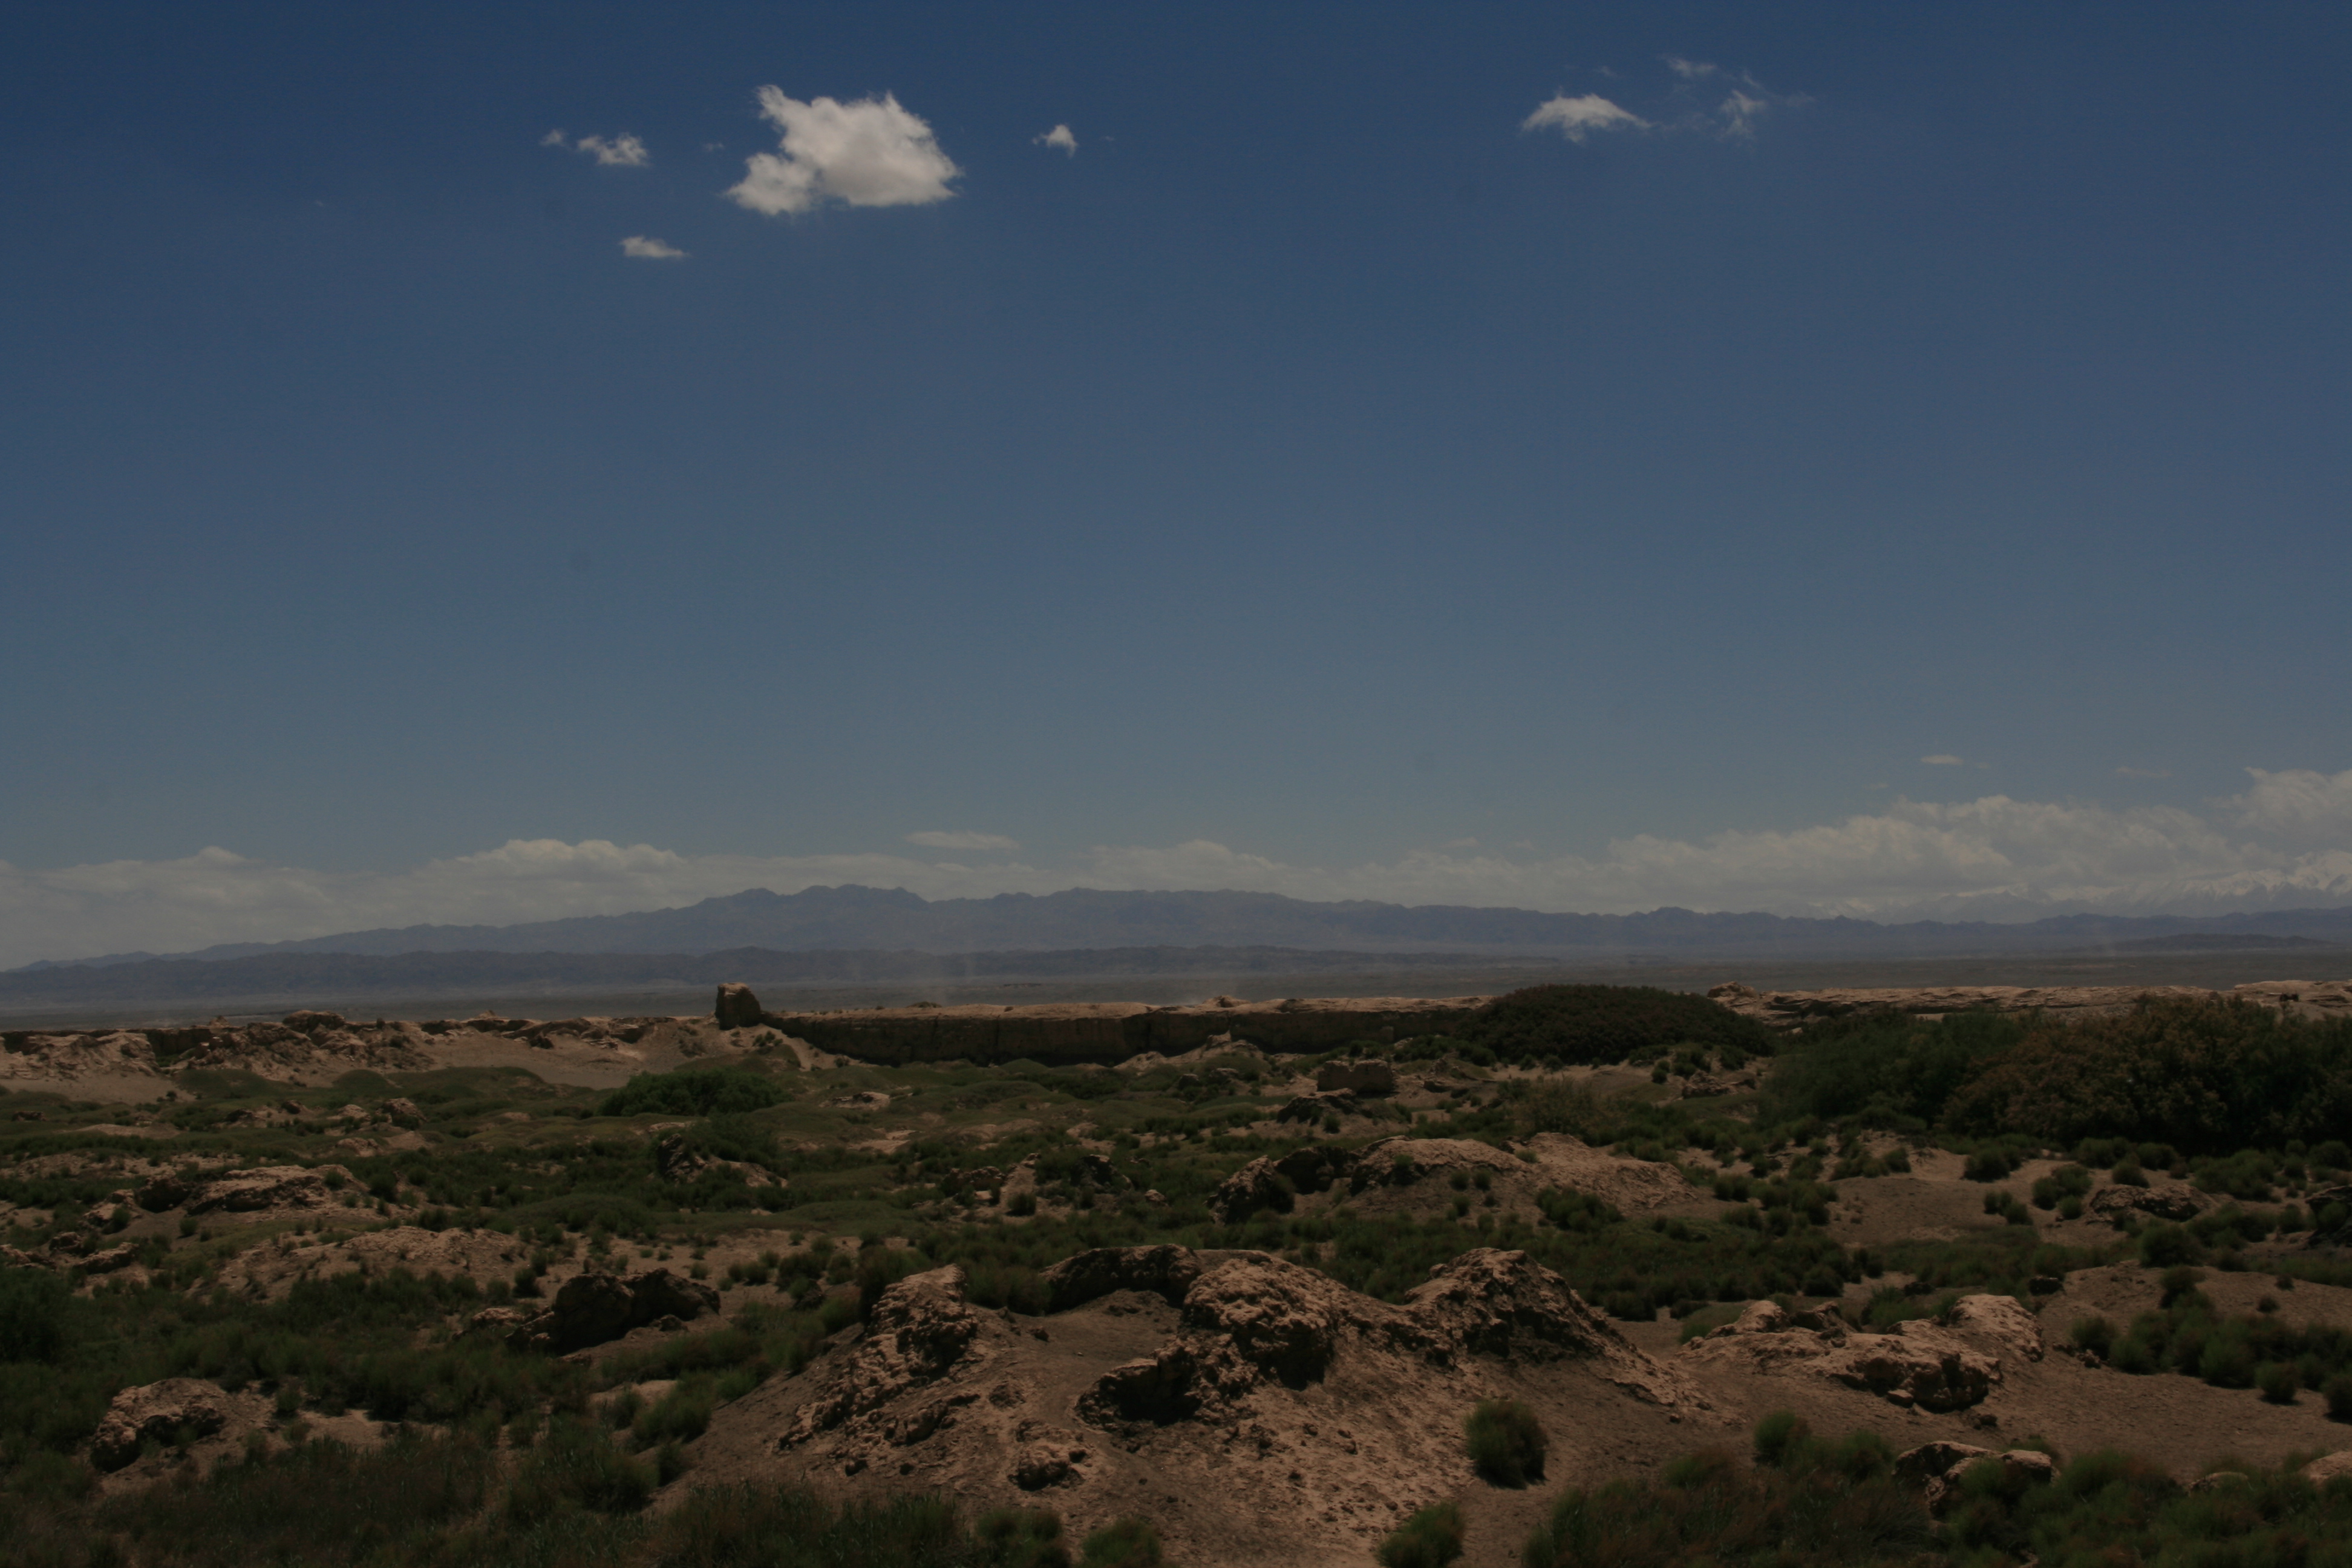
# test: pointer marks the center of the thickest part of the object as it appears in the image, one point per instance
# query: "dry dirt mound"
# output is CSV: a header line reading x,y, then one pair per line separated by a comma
x,y
1260,1411
315,1047
70,1058
271,1269
1946,1366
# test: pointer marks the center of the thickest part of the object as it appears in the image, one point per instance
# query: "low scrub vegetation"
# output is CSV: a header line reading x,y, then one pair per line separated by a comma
x,y
1506,1443
2208,1076
1812,1502
1573,1024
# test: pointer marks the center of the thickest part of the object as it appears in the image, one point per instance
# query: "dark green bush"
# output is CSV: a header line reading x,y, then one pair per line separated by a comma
x,y
2204,1076
751,1526
693,1092
1020,1537
576,1467
33,1304
1507,1443
1576,1024
1823,1506
1885,1068
1127,1542
1779,1436
319,1502
1430,1539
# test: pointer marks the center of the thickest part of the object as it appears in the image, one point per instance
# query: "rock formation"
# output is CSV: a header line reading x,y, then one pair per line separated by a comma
x,y
594,1307
736,1008
1934,1366
156,1412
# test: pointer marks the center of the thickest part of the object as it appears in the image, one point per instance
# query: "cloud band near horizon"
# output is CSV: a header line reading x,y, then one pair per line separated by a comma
x,y
2284,842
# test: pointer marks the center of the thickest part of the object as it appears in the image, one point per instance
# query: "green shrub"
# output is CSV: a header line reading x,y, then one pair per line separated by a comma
x,y
2095,1334
1430,1539
1021,1538
32,1314
2338,1392
576,1465
1126,1542
2169,1245
1580,1024
316,1502
1834,1507
1506,1442
693,1092
1779,1436
2279,1382
2202,1075
680,1415
752,1526
1885,1068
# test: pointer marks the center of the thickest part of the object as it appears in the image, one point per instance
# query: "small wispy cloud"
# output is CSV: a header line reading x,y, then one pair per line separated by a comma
x,y
623,152
1061,136
1577,118
869,153
2143,773
995,841
1945,759
650,249
1683,108
1736,117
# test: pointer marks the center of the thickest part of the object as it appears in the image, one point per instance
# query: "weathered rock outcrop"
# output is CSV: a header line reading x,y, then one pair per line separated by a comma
x,y
1317,1417
1254,1319
1165,1271
262,1189
2172,1201
1934,1366
592,1307
920,1329
1316,1106
156,1412
1940,1465
1268,1183
736,1008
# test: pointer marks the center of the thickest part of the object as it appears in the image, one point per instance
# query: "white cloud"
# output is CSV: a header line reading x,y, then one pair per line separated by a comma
x,y
2285,842
869,154
2129,772
650,249
1739,113
623,152
1577,118
995,841
1945,759
2299,806
1061,136
1691,70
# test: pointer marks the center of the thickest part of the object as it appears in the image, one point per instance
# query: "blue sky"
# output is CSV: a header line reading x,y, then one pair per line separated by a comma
x,y
1329,474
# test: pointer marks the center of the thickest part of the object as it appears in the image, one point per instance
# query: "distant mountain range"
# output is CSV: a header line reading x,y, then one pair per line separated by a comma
x,y
892,920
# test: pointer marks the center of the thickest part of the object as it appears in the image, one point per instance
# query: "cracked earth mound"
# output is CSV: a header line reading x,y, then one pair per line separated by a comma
x,y
1259,1410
